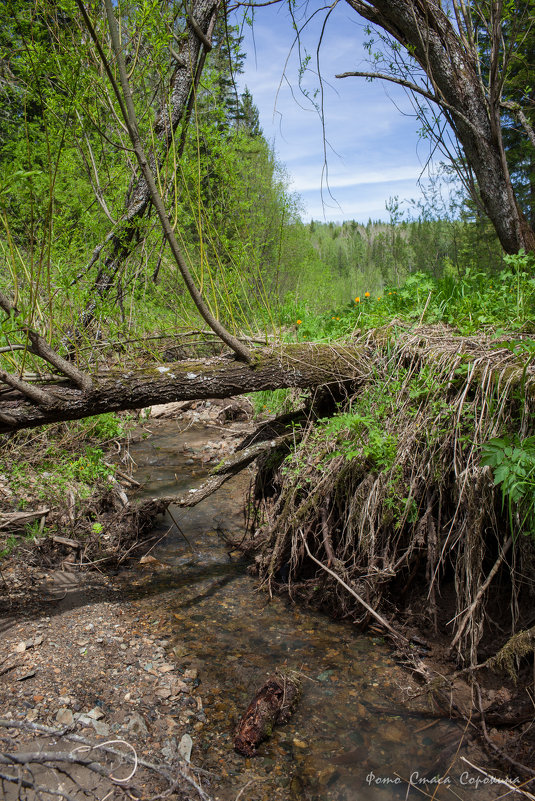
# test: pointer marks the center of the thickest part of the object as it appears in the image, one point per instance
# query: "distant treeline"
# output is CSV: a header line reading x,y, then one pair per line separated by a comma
x,y
326,264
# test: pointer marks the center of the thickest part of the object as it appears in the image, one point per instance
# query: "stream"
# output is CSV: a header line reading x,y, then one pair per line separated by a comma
x,y
352,736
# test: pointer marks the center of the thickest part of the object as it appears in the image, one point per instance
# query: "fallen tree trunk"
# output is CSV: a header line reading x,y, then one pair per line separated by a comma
x,y
274,703
299,366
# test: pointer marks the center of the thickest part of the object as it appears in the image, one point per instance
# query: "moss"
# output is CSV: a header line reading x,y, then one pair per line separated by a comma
x,y
519,645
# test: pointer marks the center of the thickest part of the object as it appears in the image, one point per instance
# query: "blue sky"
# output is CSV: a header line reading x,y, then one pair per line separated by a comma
x,y
373,150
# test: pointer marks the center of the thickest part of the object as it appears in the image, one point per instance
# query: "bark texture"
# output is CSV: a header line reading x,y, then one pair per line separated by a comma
x,y
223,377
274,703
189,63
452,63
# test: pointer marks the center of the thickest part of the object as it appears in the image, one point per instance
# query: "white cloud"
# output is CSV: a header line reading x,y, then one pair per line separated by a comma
x,y
385,175
372,147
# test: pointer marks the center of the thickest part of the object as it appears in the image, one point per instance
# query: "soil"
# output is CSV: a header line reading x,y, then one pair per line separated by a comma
x,y
88,663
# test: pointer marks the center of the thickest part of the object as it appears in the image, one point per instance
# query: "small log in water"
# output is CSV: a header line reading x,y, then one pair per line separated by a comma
x,y
274,703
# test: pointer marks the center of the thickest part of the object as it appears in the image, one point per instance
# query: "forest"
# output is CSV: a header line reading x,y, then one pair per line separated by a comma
x,y
152,252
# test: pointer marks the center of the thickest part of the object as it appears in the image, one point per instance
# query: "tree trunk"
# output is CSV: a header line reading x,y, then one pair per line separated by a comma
x,y
452,65
189,62
298,366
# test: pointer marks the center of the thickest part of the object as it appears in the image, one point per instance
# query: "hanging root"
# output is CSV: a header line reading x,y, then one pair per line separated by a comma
x,y
390,493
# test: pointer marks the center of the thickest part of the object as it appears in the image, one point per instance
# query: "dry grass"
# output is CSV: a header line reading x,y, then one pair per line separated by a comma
x,y
394,498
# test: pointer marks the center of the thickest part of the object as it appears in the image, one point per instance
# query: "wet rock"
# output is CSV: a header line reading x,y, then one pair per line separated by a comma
x,y
191,673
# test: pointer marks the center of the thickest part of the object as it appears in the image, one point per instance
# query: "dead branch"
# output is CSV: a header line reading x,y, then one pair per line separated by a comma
x,y
20,519
224,471
395,634
166,772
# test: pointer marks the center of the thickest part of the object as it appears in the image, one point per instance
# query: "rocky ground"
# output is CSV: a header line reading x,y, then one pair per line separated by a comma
x,y
76,656
80,660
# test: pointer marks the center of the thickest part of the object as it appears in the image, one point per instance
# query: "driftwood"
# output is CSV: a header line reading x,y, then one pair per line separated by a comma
x,y
18,520
274,703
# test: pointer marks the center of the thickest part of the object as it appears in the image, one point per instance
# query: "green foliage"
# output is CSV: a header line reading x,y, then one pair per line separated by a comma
x,y
474,301
513,462
9,545
277,401
361,436
68,458
106,426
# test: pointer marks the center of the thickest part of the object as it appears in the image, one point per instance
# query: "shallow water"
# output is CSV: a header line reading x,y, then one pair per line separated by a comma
x,y
352,736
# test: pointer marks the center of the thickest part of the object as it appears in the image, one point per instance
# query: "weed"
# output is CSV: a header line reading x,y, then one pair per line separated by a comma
x,y
277,401
512,460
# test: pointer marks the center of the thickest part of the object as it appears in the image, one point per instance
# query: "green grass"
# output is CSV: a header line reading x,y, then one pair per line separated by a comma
x,y
45,465
470,303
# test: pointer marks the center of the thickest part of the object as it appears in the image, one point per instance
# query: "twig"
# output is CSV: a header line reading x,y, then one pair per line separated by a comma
x,y
122,475
496,780
397,635
37,788
162,770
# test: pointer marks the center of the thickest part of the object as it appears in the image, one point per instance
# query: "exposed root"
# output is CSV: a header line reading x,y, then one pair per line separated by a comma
x,y
391,493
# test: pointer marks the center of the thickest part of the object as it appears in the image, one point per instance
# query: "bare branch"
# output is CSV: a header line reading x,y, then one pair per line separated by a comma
x,y
516,109
40,347
392,78
31,392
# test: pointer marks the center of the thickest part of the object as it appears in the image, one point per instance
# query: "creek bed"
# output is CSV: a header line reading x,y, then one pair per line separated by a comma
x,y
352,737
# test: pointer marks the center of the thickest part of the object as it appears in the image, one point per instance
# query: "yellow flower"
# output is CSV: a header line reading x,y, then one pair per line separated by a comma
x,y
337,318
334,318
298,322
366,294
357,300
390,293
379,297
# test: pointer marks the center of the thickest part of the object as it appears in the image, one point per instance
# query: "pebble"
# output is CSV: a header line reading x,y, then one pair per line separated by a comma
x,y
137,725
65,717
184,747
101,728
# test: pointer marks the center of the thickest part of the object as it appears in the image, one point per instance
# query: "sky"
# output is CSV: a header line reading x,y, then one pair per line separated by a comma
x,y
373,150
